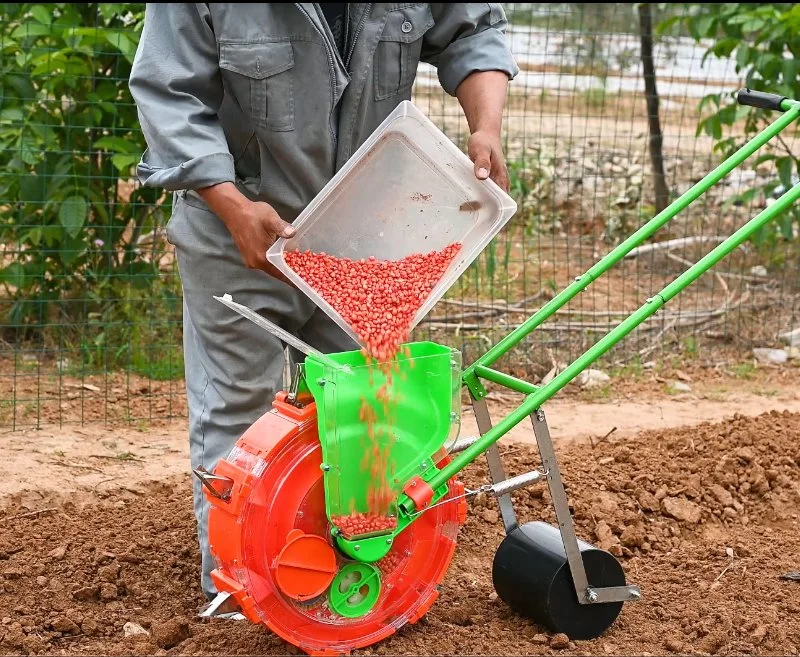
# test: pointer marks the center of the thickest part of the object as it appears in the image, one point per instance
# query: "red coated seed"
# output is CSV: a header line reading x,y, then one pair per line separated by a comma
x,y
378,299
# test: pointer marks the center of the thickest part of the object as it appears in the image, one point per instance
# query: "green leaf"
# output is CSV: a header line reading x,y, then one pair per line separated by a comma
x,y
785,166
73,213
121,41
116,144
31,29
42,14
13,275
12,115
31,189
705,25
124,161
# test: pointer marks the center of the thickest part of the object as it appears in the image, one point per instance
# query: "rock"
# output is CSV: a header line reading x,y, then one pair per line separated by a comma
x,y
58,553
109,573
681,509
632,537
105,557
773,356
759,271
746,454
64,625
673,645
86,593
791,338
12,573
721,495
541,639
647,501
661,493
493,596
128,557
593,379
170,634
729,512
559,641
680,386
616,550
132,629
491,516
606,460
34,645
604,535
759,634
108,592
90,627
41,580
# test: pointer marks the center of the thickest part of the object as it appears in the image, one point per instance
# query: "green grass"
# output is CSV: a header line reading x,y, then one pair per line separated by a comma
x,y
744,371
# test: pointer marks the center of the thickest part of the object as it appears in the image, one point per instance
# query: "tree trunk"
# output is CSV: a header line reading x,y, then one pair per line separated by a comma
x,y
651,94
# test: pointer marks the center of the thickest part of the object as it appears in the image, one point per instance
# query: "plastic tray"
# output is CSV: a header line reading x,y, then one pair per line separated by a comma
x,y
407,189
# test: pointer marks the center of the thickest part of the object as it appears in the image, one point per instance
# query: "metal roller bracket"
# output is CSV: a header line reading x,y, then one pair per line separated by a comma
x,y
496,470
586,594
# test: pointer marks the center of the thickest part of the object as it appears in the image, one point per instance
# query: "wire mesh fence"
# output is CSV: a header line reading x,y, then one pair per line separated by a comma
x,y
90,295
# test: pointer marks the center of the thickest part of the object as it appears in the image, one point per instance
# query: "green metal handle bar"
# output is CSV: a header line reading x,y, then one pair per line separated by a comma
x,y
792,111
537,396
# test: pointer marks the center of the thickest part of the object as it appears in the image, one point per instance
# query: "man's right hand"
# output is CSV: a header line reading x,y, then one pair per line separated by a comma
x,y
253,225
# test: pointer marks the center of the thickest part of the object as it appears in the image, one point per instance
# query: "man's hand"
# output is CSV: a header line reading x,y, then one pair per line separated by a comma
x,y
253,225
486,152
482,96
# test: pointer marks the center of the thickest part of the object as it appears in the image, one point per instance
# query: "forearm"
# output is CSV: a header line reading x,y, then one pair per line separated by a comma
x,y
482,96
225,200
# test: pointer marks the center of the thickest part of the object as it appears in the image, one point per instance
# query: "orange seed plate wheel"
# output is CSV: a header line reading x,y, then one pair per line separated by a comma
x,y
272,544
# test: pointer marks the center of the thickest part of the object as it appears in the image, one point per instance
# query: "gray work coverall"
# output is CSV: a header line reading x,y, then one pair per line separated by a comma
x,y
258,95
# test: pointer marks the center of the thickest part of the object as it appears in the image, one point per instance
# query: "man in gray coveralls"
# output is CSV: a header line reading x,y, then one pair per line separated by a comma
x,y
248,111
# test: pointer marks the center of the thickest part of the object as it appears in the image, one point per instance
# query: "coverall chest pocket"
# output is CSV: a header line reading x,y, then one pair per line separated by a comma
x,y
399,48
260,77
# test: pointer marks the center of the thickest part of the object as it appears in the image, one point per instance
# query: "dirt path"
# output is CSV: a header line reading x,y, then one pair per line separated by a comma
x,y
39,465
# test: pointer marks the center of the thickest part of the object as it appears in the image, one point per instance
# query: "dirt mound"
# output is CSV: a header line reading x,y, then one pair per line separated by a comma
x,y
703,519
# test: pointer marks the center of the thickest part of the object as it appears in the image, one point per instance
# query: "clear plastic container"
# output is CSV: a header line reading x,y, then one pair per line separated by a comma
x,y
408,189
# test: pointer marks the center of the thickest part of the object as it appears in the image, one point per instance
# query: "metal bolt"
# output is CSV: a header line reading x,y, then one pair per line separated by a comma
x,y
577,278
453,416
423,465
591,595
357,548
325,467
540,415
388,541
413,483
650,299
406,27
636,595
321,382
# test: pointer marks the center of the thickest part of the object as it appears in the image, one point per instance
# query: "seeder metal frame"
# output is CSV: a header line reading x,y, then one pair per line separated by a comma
x,y
481,370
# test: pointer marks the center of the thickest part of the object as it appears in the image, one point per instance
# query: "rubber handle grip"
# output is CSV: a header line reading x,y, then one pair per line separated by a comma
x,y
760,99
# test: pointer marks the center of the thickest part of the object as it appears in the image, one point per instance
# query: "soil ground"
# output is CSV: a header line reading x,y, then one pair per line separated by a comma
x,y
699,495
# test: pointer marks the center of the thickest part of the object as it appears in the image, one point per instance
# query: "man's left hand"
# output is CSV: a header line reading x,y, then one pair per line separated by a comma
x,y
486,152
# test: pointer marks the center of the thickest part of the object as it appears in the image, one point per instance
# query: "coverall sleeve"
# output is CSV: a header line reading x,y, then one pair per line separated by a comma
x,y
467,37
176,84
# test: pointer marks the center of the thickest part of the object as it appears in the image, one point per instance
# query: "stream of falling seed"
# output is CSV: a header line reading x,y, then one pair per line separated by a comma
x,y
378,299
